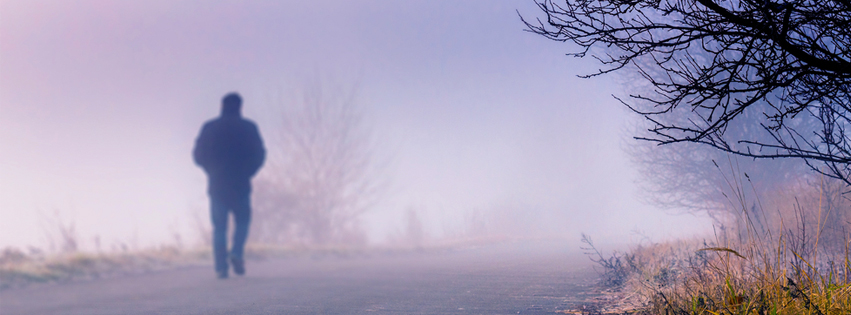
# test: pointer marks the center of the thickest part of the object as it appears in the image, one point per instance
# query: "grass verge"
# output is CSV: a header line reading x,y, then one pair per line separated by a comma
x,y
695,278
18,269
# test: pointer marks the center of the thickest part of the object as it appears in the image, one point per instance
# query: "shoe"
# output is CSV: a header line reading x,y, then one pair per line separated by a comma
x,y
238,266
222,274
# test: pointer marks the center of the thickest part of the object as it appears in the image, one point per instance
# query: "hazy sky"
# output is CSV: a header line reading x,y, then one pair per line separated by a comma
x,y
100,102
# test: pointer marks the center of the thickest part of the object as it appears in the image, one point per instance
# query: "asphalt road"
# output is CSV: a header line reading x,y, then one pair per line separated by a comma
x,y
514,278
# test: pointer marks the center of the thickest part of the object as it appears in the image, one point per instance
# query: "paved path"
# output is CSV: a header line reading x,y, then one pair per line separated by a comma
x,y
518,278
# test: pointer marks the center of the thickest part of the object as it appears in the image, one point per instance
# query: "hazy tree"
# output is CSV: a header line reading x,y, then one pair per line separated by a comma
x,y
773,197
715,65
412,233
697,178
321,175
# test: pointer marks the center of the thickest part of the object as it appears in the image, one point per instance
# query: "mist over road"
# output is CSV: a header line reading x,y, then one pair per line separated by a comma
x,y
512,278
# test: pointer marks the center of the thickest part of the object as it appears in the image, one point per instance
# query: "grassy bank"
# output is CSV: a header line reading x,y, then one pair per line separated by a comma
x,y
693,277
782,273
783,250
19,269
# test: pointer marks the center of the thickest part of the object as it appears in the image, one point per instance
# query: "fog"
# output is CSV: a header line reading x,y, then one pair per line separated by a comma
x,y
471,117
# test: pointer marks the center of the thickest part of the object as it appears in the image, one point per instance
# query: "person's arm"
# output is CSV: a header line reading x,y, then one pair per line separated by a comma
x,y
258,151
201,152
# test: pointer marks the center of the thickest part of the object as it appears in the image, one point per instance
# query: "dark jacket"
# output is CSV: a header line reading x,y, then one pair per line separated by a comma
x,y
231,151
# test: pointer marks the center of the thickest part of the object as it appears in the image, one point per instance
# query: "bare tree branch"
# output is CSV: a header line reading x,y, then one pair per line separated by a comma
x,y
714,61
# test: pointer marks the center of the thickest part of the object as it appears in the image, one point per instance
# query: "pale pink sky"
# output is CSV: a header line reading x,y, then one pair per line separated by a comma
x,y
100,102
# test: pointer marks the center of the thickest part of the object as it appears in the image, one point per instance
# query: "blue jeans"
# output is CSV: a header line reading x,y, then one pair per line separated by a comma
x,y
219,208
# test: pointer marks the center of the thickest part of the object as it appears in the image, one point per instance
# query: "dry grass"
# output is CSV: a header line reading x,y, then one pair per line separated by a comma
x,y
752,269
690,277
19,269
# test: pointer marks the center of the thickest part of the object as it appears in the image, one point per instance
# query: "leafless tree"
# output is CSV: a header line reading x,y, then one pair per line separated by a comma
x,y
696,178
412,233
321,174
711,63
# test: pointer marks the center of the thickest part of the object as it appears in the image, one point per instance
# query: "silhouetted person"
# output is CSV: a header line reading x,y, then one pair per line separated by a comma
x,y
231,151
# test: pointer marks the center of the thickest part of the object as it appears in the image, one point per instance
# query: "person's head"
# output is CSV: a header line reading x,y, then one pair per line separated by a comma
x,y
231,104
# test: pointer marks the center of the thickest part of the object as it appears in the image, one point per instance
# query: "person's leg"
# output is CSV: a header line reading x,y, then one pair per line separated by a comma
x,y
219,216
242,220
